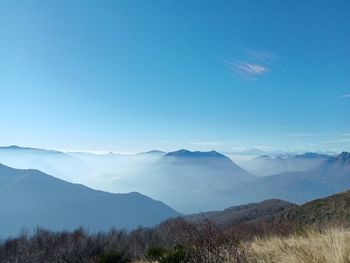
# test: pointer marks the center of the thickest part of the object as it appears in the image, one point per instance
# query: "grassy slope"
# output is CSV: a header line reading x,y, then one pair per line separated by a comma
x,y
330,246
333,210
242,213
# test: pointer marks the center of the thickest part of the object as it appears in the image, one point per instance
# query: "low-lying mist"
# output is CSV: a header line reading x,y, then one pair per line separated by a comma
x,y
189,182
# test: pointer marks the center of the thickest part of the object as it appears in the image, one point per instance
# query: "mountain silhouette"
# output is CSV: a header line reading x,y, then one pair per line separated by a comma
x,y
30,198
198,176
267,165
331,176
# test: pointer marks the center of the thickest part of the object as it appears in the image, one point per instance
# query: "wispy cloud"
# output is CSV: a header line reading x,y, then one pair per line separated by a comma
x,y
345,95
252,64
246,69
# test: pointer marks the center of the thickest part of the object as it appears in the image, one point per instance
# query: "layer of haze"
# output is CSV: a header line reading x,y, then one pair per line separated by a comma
x,y
187,181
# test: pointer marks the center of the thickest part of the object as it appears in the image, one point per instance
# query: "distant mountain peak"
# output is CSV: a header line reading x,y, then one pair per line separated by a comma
x,y
158,152
16,147
344,156
20,148
312,155
195,154
264,156
12,147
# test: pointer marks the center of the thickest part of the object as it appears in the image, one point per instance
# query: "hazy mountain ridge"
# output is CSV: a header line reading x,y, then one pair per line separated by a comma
x,y
332,210
152,152
268,165
217,162
183,153
200,176
207,180
157,174
29,198
99,171
29,150
331,176
242,213
57,163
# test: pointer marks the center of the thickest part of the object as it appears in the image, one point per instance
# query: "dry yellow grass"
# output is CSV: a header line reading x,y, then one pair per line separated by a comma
x,y
330,246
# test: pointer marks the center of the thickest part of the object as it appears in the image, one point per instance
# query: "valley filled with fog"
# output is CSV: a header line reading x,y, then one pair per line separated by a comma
x,y
187,181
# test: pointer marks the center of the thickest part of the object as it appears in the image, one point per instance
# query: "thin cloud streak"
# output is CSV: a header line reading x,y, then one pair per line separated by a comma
x,y
246,69
252,64
345,95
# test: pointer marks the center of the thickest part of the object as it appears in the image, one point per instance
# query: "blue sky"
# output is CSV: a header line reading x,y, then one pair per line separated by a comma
x,y
138,75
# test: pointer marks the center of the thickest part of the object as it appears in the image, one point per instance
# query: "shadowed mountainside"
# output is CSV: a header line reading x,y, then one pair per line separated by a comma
x,y
333,175
333,210
199,177
266,165
243,213
29,198
206,180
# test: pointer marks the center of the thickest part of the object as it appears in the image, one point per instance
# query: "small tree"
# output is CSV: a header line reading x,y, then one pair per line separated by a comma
x,y
177,254
156,253
114,257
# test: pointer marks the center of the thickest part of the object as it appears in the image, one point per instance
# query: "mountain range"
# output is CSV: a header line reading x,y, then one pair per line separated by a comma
x,y
242,213
192,181
265,165
276,214
333,210
30,198
331,176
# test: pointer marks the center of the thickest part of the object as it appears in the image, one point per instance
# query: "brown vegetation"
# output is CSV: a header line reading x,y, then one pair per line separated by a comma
x,y
297,234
